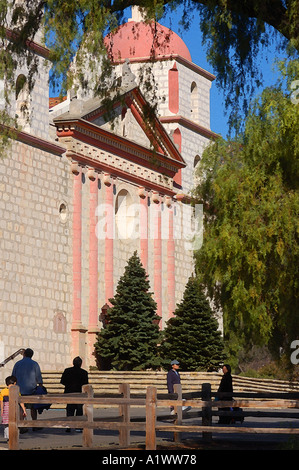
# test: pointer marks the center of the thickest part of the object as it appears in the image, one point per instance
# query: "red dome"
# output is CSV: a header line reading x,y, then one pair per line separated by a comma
x,y
134,40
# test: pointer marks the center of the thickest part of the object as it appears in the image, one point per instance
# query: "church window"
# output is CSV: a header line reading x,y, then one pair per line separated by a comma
x,y
194,101
196,160
173,90
59,322
123,122
22,102
195,165
63,212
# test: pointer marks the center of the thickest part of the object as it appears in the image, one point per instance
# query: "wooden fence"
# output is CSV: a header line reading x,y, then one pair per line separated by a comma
x,y
202,403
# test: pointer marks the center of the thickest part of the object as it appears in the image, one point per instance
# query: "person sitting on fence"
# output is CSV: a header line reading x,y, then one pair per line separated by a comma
x,y
4,403
28,374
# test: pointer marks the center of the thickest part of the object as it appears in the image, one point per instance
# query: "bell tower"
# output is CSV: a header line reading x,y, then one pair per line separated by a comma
x,y
181,87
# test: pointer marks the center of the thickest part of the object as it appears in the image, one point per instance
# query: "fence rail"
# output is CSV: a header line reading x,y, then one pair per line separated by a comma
x,y
202,401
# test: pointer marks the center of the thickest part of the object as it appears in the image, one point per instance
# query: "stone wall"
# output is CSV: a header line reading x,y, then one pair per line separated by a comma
x,y
35,254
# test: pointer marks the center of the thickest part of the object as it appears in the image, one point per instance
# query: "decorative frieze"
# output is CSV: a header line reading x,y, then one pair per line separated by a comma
x,y
83,153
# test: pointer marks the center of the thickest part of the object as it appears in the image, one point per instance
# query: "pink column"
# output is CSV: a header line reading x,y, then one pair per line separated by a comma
x,y
170,264
93,266
143,220
109,238
158,259
77,228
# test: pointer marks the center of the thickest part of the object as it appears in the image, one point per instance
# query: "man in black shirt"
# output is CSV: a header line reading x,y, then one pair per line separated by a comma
x,y
73,378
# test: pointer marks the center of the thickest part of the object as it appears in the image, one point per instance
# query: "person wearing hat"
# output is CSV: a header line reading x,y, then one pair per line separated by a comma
x,y
173,376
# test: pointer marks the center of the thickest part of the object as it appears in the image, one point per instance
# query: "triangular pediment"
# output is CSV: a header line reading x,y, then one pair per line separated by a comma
x,y
129,121
126,120
123,124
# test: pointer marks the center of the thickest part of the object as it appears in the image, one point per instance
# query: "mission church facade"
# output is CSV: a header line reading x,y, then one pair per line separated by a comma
x,y
78,197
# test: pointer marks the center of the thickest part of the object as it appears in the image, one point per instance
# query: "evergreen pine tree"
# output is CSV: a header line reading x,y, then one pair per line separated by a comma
x,y
191,336
129,341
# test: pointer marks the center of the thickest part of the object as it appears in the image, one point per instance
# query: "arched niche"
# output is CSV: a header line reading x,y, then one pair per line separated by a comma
x,y
194,101
23,102
124,215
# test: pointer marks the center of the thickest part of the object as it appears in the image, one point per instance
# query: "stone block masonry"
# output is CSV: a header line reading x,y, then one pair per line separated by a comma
x,y
35,255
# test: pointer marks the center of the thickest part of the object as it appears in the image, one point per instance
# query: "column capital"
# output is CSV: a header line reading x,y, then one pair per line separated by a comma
x,y
155,197
91,173
142,192
75,167
168,201
107,179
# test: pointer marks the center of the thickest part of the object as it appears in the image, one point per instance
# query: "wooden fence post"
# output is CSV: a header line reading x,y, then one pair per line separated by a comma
x,y
179,412
150,424
124,411
88,411
206,410
13,416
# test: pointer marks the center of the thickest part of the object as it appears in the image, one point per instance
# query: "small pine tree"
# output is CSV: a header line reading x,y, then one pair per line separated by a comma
x,y
129,341
192,336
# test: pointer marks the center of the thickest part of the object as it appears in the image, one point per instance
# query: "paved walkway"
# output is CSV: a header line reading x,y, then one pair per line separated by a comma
x,y
58,438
